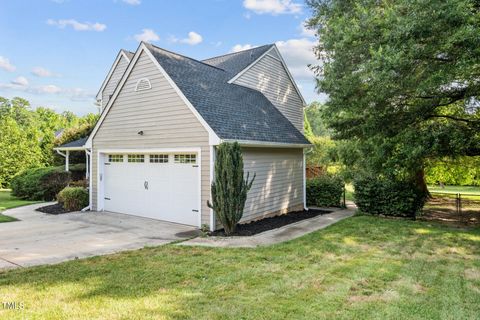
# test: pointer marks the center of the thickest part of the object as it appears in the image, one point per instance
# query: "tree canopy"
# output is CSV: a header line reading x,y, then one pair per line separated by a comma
x,y
28,135
403,79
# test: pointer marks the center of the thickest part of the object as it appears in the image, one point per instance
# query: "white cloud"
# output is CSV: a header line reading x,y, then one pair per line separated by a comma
x,y
74,94
273,7
306,31
79,94
20,81
241,47
193,39
46,89
6,65
298,54
77,26
132,2
147,35
43,73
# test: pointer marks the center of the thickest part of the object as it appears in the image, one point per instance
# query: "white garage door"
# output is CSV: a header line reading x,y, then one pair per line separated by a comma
x,y
158,186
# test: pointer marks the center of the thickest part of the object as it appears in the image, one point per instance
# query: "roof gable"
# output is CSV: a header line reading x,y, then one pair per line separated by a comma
x,y
234,112
122,54
228,111
235,62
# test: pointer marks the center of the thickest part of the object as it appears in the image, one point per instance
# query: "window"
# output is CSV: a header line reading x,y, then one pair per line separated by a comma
x,y
136,158
115,158
185,158
143,84
159,158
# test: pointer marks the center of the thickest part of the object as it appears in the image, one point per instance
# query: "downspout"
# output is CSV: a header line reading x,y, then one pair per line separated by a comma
x,y
305,152
88,154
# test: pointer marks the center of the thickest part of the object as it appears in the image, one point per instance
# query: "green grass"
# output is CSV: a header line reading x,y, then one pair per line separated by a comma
x,y
360,268
455,189
7,201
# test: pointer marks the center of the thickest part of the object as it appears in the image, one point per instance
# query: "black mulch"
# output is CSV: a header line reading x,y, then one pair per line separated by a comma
x,y
53,209
252,228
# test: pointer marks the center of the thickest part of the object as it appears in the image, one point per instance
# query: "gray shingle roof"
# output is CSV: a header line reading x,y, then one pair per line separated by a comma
x,y
237,61
74,144
128,54
232,111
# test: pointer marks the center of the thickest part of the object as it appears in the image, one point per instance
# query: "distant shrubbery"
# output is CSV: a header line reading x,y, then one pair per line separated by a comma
x,y
464,171
388,197
43,183
325,191
73,198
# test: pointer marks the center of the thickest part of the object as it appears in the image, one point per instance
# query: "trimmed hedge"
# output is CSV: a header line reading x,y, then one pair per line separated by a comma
x,y
45,183
40,183
325,191
73,198
388,197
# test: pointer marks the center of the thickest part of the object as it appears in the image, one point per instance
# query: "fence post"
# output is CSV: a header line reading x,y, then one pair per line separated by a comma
x,y
344,202
459,203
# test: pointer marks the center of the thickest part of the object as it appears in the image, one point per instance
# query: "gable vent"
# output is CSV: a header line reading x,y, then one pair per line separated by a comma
x,y
143,84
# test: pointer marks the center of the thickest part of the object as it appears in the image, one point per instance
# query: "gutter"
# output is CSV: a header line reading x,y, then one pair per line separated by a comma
x,y
305,152
255,143
89,156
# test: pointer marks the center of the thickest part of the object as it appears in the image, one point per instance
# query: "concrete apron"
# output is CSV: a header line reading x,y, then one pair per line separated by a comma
x,y
40,238
270,237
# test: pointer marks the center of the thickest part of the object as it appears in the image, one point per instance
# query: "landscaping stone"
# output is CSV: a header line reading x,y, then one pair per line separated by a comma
x,y
285,233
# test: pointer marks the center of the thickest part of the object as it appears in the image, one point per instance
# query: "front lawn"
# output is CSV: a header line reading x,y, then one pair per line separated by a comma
x,y
7,201
455,189
360,268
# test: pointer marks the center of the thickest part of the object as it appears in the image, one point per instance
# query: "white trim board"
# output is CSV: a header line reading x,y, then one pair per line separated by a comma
x,y
274,47
266,144
213,138
112,68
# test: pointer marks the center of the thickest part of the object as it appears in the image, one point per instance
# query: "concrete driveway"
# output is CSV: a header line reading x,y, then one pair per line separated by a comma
x,y
40,238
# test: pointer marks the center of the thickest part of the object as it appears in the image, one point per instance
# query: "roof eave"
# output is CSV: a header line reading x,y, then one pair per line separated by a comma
x,y
268,144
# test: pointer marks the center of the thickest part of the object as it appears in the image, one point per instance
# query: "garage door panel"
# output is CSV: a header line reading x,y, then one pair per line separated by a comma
x,y
172,192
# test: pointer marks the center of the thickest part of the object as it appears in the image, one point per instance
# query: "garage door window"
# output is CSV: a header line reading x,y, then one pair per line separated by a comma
x,y
185,158
115,158
136,158
159,158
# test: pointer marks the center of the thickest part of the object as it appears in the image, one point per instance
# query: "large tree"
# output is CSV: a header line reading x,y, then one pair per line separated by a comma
x,y
403,79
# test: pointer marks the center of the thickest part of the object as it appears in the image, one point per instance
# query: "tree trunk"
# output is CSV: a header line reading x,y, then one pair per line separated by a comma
x,y
420,182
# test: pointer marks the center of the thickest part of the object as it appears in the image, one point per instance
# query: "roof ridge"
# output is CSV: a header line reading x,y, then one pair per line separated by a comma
x,y
241,51
184,56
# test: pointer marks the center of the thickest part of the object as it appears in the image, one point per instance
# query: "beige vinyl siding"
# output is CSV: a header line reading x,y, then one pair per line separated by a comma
x,y
279,180
114,79
164,118
270,77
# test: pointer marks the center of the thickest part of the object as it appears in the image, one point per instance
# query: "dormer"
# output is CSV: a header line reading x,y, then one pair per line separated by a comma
x,y
263,69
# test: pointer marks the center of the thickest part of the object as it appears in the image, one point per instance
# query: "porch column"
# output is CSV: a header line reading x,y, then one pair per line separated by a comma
x,y
67,160
87,167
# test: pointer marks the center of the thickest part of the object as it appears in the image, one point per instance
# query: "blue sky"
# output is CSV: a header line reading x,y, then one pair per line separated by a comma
x,y
56,53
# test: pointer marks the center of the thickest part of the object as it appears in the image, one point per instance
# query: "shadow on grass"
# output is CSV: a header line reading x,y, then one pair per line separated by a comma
x,y
350,265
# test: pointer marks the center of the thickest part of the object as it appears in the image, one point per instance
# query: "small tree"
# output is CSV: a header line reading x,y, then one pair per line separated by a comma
x,y
229,189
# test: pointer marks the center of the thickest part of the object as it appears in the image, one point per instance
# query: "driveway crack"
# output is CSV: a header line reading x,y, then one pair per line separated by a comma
x,y
11,262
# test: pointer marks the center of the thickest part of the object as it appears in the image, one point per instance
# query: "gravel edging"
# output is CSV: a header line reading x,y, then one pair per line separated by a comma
x,y
271,223
282,234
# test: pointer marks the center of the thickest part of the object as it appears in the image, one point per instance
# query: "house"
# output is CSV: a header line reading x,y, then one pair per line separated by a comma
x,y
152,152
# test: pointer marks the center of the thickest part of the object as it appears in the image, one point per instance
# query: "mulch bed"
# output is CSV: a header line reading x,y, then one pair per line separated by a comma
x,y
255,227
53,209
